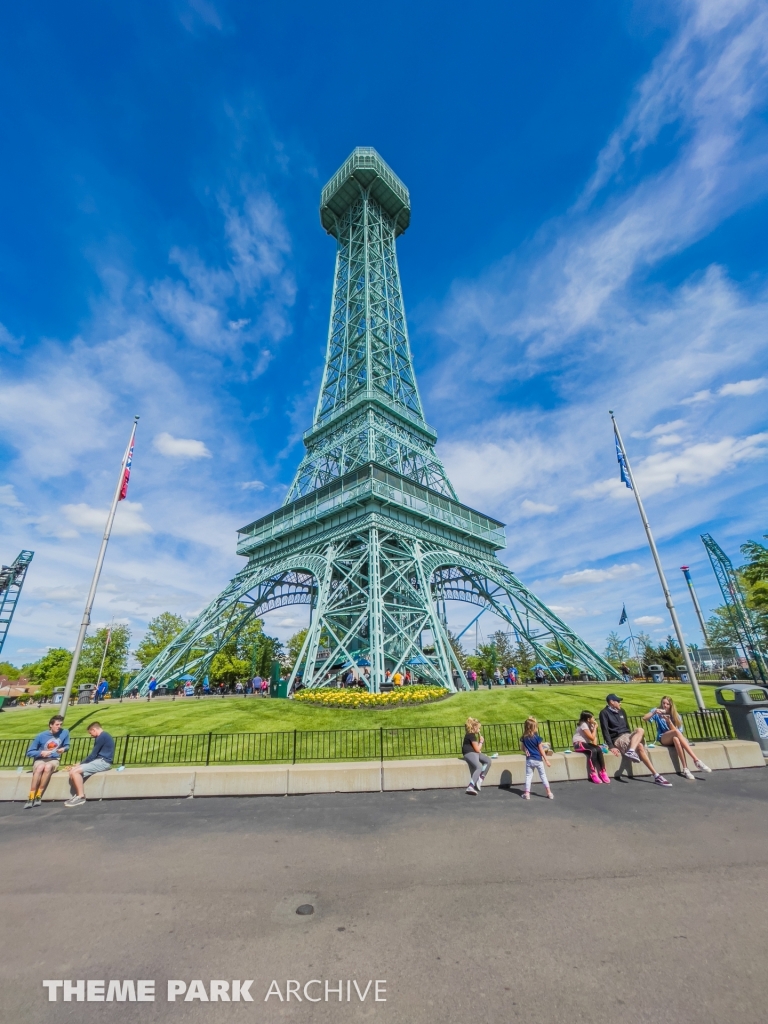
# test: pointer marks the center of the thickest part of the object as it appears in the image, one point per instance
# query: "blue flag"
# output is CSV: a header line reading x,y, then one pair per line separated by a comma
x,y
622,464
624,615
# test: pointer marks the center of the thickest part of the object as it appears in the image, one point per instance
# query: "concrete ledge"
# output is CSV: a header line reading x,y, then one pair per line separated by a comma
x,y
355,777
743,754
246,780
144,782
347,777
438,773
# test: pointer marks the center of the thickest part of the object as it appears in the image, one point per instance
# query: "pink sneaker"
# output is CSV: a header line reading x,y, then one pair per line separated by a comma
x,y
604,777
594,778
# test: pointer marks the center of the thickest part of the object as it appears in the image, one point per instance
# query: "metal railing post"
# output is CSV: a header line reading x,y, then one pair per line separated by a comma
x,y
208,751
294,746
125,748
381,742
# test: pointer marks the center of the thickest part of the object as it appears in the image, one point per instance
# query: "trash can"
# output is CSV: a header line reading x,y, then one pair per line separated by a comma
x,y
275,682
747,706
682,671
85,693
657,673
58,695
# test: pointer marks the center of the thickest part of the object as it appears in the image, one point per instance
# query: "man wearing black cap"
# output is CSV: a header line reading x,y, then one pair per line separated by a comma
x,y
622,742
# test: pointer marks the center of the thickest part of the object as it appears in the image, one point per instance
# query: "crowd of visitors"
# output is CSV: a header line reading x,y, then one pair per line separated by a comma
x,y
618,738
47,748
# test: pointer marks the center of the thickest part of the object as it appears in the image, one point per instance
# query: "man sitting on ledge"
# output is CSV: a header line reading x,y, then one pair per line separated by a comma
x,y
623,742
99,760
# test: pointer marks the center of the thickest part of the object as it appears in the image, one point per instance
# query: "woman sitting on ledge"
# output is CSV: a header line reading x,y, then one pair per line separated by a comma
x,y
472,752
669,733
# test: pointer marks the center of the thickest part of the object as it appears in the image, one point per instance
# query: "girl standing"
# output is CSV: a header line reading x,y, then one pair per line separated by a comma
x,y
535,757
585,742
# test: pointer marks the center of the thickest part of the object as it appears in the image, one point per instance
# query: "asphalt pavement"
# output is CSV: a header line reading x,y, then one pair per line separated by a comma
x,y
623,902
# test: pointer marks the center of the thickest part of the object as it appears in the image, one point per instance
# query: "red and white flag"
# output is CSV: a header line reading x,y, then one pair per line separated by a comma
x,y
127,470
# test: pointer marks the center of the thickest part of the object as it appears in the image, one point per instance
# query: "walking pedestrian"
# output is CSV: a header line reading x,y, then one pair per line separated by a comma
x,y
535,757
472,752
539,675
151,688
624,742
46,750
585,742
669,733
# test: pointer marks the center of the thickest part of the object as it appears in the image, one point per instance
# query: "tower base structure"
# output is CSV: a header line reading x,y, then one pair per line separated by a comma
x,y
372,535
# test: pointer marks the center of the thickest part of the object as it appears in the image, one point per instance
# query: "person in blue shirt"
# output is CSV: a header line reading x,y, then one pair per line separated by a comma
x,y
669,733
99,760
101,691
46,750
535,757
151,688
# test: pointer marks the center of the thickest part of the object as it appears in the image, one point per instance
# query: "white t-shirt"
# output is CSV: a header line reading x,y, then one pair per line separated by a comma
x,y
580,737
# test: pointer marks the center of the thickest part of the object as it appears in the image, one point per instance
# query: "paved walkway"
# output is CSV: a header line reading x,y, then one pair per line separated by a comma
x,y
626,903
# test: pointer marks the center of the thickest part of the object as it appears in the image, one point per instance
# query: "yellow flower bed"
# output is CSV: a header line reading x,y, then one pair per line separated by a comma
x,y
327,698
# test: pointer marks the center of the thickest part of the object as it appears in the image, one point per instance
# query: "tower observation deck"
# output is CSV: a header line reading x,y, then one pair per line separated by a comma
x,y
372,535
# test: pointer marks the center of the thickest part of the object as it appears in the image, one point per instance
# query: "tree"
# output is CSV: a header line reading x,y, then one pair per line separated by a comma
x,y
9,671
458,650
615,649
483,660
505,652
160,631
293,649
116,662
251,651
50,671
524,659
668,655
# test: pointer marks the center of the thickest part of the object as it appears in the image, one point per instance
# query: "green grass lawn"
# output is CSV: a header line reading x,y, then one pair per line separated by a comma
x,y
253,714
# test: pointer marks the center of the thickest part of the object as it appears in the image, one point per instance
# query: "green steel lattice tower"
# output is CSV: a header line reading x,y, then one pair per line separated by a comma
x,y
371,535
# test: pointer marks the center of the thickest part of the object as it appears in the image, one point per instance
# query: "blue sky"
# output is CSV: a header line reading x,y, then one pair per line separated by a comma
x,y
589,231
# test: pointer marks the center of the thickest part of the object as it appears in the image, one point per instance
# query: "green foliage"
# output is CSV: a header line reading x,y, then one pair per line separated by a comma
x,y
9,670
524,659
616,649
668,655
293,649
160,631
116,662
458,650
754,576
50,671
252,651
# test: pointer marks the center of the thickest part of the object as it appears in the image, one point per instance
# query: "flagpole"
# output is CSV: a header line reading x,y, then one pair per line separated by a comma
x,y
662,578
97,572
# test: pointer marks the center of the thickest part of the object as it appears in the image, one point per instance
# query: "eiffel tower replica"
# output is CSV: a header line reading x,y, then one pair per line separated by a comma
x,y
371,534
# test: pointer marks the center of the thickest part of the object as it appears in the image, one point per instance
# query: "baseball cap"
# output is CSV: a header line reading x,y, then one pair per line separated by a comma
x,y
613,696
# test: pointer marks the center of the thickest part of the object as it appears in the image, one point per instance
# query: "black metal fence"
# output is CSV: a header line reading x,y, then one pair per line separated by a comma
x,y
338,744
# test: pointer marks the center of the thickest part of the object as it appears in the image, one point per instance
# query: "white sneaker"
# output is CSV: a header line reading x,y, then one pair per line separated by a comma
x,y
74,801
687,775
471,790
702,767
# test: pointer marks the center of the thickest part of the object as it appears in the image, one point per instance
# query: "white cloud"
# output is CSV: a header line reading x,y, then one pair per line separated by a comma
x,y
536,508
8,341
180,447
616,572
699,463
8,496
738,389
648,620
128,520
253,485
744,387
